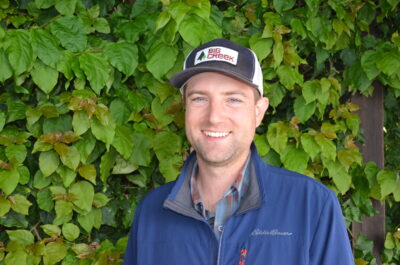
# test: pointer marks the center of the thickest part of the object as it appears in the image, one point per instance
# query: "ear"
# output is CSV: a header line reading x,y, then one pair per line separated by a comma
x,y
261,107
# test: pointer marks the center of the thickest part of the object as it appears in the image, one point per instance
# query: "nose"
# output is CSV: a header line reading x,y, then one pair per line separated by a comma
x,y
215,112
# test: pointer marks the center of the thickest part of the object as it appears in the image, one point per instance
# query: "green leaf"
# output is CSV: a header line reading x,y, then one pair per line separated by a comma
x,y
20,52
66,7
100,200
289,76
123,166
310,145
122,55
141,154
63,212
389,242
101,132
88,172
283,5
24,175
72,158
46,46
48,162
80,122
53,253
23,237
261,144
170,168
357,79
310,90
70,231
275,92
277,53
2,120
44,77
43,4
51,230
16,109
368,63
84,193
162,20
294,159
20,204
67,175
159,111
277,136
60,124
86,146
107,163
347,157
5,67
339,176
17,151
119,111
303,110
71,33
161,52
261,46
90,220
328,148
166,146
16,257
5,206
44,199
101,25
387,180
98,75
8,180
389,62
192,29
39,181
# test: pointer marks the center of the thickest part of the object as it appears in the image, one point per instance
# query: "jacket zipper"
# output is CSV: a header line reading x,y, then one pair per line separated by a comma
x,y
219,245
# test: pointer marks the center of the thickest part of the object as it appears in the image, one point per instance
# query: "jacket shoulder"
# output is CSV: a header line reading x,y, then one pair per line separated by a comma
x,y
158,195
293,180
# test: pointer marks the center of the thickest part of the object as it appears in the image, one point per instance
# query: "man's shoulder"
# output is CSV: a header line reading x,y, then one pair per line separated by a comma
x,y
159,194
293,180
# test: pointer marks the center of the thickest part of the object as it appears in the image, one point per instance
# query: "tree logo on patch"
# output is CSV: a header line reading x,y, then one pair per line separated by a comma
x,y
201,57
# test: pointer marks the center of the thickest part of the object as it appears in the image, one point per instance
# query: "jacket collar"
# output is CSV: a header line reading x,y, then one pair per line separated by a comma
x,y
180,201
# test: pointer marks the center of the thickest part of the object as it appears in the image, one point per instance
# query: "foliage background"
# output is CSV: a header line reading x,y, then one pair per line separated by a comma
x,y
89,123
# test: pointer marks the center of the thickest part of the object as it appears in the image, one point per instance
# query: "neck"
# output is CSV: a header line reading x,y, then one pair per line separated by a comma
x,y
213,181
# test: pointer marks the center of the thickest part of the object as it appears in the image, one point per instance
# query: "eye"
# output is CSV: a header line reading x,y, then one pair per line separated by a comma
x,y
198,99
234,100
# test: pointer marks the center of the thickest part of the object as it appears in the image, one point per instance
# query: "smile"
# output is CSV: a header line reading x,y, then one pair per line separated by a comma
x,y
216,134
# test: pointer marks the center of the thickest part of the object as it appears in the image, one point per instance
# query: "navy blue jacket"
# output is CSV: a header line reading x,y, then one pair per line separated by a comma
x,y
285,219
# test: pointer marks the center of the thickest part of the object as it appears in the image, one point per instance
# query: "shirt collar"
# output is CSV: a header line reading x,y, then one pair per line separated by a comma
x,y
240,184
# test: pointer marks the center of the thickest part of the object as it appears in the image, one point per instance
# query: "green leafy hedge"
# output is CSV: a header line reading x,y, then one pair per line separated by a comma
x,y
89,123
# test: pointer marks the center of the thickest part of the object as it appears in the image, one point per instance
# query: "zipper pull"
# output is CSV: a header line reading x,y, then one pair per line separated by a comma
x,y
243,254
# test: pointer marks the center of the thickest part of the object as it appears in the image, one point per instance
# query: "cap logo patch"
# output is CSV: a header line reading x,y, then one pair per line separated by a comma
x,y
216,54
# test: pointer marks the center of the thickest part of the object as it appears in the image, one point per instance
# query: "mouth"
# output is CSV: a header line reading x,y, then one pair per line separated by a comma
x,y
216,134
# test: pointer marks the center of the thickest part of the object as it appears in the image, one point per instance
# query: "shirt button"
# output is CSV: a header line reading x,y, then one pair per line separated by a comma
x,y
220,228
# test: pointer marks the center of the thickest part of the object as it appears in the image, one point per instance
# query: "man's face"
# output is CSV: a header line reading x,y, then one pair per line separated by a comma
x,y
221,116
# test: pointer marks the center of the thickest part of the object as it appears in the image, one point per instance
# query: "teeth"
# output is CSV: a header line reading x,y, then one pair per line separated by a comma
x,y
216,134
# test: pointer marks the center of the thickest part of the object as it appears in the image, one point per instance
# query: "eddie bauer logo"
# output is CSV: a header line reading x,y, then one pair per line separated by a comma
x,y
274,232
216,54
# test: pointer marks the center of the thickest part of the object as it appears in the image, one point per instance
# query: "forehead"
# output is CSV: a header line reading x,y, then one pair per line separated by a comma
x,y
216,83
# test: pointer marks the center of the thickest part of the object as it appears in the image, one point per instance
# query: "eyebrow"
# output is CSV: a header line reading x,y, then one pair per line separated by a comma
x,y
228,93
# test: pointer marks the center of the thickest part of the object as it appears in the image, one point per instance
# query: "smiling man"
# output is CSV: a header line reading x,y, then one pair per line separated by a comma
x,y
228,206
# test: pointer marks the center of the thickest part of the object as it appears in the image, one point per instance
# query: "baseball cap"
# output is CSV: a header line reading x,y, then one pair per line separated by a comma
x,y
221,56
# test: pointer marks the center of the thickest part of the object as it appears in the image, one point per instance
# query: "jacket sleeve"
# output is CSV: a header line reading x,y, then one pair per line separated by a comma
x,y
131,257
330,243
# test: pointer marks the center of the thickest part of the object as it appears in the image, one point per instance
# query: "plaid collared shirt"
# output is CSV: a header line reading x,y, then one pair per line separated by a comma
x,y
225,207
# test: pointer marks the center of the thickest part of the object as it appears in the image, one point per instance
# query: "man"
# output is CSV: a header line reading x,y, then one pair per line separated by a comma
x,y
228,206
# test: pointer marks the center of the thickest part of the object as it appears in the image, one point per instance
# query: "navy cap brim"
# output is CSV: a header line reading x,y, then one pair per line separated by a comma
x,y
179,79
